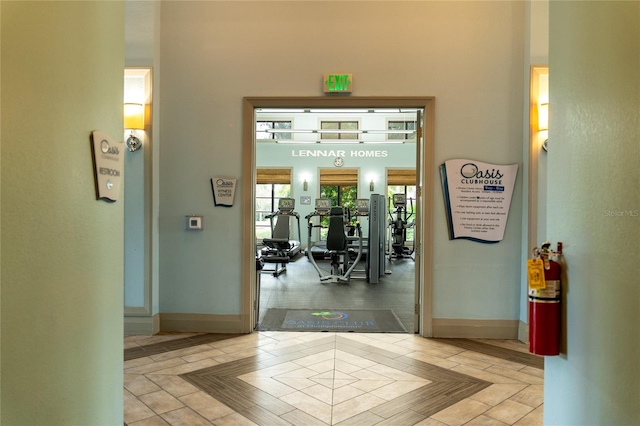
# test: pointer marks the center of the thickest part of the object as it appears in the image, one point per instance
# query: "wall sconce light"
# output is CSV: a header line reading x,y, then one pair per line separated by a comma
x,y
305,185
543,122
543,117
133,120
371,185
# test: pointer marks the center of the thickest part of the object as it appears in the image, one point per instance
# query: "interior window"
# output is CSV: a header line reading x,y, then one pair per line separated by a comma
x,y
401,125
272,184
268,130
338,126
341,186
403,182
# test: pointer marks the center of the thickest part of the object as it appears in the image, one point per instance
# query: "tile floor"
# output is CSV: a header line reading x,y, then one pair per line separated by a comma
x,y
296,378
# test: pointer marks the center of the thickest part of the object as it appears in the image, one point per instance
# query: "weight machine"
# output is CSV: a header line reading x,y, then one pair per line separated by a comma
x,y
346,245
339,245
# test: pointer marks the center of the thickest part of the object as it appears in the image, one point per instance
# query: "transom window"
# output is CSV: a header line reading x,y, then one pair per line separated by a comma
x,y
263,126
401,125
339,125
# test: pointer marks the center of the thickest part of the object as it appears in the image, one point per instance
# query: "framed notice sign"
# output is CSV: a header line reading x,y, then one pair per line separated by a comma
x,y
477,198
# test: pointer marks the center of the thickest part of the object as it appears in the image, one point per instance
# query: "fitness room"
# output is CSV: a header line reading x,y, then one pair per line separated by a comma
x,y
336,216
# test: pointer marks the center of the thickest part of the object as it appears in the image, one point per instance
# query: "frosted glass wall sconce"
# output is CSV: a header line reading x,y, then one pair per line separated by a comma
x,y
133,120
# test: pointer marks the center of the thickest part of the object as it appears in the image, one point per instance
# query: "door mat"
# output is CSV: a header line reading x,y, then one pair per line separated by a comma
x,y
351,320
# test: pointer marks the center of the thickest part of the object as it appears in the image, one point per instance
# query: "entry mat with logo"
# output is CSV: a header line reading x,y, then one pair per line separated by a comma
x,y
354,320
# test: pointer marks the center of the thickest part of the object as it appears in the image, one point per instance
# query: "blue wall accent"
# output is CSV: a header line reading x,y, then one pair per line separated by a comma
x,y
594,209
209,63
134,225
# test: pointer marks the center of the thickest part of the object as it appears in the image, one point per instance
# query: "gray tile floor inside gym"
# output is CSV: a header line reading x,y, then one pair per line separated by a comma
x,y
300,287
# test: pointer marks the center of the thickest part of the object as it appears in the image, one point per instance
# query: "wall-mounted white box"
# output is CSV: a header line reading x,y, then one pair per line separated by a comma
x,y
193,223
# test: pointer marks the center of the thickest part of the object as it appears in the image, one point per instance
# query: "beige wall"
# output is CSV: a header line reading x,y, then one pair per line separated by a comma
x,y
62,313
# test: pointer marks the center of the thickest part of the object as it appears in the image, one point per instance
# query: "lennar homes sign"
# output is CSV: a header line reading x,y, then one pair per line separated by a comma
x,y
107,165
330,153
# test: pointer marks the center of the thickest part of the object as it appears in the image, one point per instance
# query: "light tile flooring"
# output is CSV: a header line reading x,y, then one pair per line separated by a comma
x,y
295,378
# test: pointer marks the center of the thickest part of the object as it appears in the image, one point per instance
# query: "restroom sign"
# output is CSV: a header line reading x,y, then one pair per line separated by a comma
x,y
108,161
338,83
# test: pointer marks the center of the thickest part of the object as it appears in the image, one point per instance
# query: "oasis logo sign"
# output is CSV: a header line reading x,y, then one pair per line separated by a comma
x,y
108,149
473,175
331,315
224,183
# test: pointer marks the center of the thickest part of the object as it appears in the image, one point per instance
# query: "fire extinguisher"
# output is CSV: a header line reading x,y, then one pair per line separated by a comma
x,y
544,301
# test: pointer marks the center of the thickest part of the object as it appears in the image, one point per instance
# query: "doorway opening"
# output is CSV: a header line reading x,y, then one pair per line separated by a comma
x,y
349,151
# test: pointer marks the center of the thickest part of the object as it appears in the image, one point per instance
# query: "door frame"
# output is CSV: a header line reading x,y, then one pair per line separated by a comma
x,y
424,188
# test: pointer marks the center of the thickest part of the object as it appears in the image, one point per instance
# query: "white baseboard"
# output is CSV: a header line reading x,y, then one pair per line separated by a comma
x,y
523,332
442,327
201,323
142,325
475,329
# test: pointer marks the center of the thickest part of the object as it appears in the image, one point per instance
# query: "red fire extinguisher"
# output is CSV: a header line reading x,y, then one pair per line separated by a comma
x,y
544,301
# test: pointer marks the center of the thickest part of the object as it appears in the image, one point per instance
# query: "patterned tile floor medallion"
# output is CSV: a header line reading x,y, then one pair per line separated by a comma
x,y
304,378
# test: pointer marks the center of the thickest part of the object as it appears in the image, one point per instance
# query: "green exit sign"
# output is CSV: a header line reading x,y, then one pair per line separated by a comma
x,y
337,83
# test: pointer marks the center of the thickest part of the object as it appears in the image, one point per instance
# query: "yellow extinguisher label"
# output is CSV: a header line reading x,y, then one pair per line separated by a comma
x,y
535,271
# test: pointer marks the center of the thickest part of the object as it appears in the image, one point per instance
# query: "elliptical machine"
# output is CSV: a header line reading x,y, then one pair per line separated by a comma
x,y
317,247
280,249
398,226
